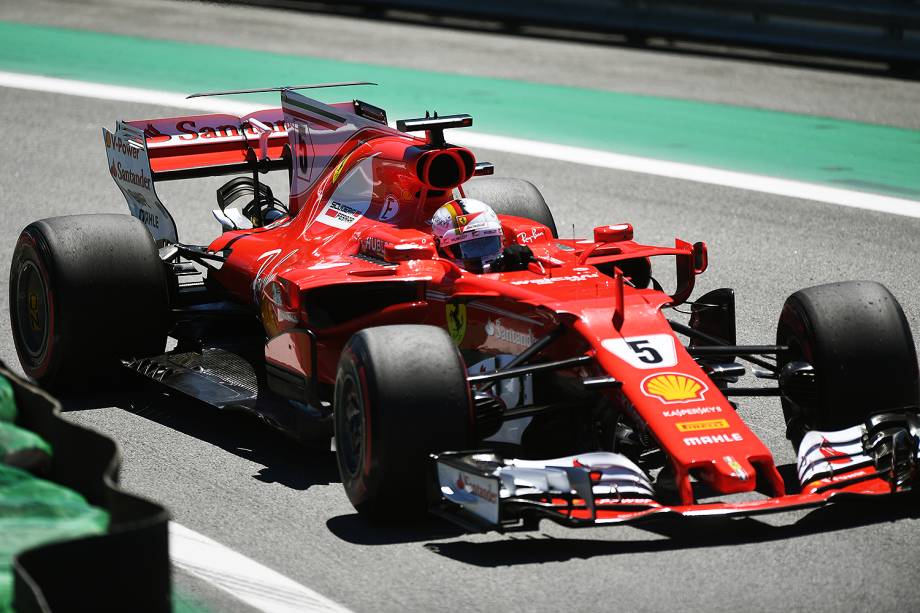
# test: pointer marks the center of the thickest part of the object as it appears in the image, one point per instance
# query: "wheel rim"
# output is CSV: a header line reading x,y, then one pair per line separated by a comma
x,y
352,411
32,310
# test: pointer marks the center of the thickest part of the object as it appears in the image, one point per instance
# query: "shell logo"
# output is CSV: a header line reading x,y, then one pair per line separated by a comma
x,y
673,387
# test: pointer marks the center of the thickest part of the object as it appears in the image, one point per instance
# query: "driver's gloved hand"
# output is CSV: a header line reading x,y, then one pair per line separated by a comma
x,y
513,257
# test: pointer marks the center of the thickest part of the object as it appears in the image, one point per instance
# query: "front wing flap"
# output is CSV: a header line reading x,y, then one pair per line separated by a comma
x,y
482,491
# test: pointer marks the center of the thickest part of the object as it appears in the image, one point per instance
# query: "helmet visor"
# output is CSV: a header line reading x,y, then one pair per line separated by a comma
x,y
477,248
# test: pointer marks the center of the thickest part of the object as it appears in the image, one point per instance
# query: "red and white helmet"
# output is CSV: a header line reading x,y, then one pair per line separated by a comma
x,y
468,232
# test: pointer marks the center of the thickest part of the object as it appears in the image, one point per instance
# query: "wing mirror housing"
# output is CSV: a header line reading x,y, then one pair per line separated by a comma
x,y
700,257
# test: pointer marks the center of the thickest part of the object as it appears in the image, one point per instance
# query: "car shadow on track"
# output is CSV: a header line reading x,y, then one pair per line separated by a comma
x,y
285,461
672,533
678,533
359,531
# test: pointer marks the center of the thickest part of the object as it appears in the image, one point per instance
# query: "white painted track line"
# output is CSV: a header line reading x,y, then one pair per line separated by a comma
x,y
258,586
690,172
518,146
103,91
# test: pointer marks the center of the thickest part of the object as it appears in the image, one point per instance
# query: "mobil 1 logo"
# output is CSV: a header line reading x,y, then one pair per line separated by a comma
x,y
644,352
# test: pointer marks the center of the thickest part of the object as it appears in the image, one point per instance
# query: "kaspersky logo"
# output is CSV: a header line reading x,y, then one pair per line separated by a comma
x,y
673,387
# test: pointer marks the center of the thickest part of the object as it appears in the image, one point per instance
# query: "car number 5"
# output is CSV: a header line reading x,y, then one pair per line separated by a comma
x,y
645,352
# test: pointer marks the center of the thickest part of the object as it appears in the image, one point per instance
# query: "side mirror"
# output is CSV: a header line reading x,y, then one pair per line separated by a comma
x,y
700,257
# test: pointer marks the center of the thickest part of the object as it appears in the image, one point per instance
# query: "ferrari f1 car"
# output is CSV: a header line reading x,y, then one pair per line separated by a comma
x,y
556,386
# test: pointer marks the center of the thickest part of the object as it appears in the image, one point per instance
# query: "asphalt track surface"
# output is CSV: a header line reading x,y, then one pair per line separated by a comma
x,y
252,490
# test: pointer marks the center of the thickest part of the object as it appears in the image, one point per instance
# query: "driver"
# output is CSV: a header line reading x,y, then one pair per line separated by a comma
x,y
468,232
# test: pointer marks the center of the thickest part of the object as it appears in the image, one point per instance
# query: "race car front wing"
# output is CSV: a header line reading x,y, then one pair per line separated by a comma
x,y
483,491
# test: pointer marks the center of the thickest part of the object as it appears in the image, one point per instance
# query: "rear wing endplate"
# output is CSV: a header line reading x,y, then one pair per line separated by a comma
x,y
129,165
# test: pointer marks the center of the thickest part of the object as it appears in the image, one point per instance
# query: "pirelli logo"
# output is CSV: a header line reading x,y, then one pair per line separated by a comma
x,y
702,424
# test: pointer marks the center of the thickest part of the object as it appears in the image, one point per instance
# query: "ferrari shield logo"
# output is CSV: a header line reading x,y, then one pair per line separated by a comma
x,y
339,167
456,320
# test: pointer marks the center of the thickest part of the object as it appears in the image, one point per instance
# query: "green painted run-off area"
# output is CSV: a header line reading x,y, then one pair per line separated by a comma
x,y
840,153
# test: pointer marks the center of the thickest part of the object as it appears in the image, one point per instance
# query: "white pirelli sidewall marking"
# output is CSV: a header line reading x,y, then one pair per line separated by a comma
x,y
258,586
507,144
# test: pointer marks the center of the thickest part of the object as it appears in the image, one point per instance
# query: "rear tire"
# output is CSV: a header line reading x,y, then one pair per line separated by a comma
x,y
856,337
400,395
509,196
86,291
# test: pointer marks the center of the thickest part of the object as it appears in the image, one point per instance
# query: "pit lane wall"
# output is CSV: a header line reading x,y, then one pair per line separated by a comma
x,y
882,31
126,568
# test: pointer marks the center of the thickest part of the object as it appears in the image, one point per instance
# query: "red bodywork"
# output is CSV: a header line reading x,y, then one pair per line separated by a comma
x,y
387,247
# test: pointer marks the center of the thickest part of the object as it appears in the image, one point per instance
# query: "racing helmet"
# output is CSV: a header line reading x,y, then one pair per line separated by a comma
x,y
467,231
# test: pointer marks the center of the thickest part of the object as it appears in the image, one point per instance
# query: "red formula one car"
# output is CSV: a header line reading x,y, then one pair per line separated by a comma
x,y
552,385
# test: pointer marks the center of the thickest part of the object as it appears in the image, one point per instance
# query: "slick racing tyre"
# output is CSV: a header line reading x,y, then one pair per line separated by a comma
x,y
85,291
400,394
508,196
856,338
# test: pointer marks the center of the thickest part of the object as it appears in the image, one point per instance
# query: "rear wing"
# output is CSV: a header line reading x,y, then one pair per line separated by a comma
x,y
143,152
211,145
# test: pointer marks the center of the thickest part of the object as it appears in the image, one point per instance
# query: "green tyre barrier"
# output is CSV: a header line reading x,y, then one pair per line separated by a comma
x,y
125,565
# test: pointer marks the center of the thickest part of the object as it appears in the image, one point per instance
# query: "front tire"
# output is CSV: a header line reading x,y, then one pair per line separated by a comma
x,y
85,291
855,336
400,395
